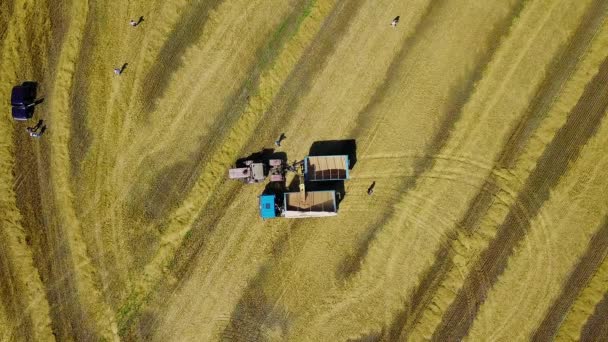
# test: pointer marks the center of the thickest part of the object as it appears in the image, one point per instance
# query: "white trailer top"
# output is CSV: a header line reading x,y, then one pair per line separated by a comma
x,y
312,204
326,168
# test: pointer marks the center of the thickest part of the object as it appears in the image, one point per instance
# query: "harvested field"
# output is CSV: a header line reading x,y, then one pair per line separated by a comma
x,y
482,124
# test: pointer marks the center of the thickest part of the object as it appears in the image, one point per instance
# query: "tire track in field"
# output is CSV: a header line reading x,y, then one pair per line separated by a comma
x,y
437,273
580,126
457,101
596,252
101,220
81,137
95,319
484,199
27,302
29,202
190,25
101,216
559,72
596,328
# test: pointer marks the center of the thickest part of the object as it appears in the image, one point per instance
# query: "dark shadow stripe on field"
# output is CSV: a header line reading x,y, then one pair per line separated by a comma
x,y
141,321
80,140
581,125
558,73
405,319
6,13
458,97
186,32
364,118
436,274
369,337
255,312
60,17
10,299
301,79
596,327
597,249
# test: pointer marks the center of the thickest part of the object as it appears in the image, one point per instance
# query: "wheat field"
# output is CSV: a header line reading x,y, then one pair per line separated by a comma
x,y
483,123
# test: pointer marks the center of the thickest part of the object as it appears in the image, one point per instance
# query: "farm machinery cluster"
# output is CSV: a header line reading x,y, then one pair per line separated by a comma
x,y
318,172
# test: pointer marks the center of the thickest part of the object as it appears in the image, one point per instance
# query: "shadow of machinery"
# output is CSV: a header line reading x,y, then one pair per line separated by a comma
x,y
33,86
262,156
336,147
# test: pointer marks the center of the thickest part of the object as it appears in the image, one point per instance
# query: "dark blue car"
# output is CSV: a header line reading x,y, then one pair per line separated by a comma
x,y
23,101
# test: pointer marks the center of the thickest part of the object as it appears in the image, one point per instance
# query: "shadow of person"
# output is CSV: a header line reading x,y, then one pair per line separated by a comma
x,y
42,130
40,122
280,139
139,21
124,66
370,190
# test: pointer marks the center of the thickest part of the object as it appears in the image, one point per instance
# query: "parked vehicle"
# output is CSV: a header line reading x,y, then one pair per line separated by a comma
x,y
23,101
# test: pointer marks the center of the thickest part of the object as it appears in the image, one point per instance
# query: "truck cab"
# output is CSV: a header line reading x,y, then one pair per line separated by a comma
x,y
268,207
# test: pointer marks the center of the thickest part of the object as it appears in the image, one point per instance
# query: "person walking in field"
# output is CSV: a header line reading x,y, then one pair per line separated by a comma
x,y
33,131
118,71
395,22
135,23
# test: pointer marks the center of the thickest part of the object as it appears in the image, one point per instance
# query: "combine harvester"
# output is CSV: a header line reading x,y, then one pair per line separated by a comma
x,y
301,204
